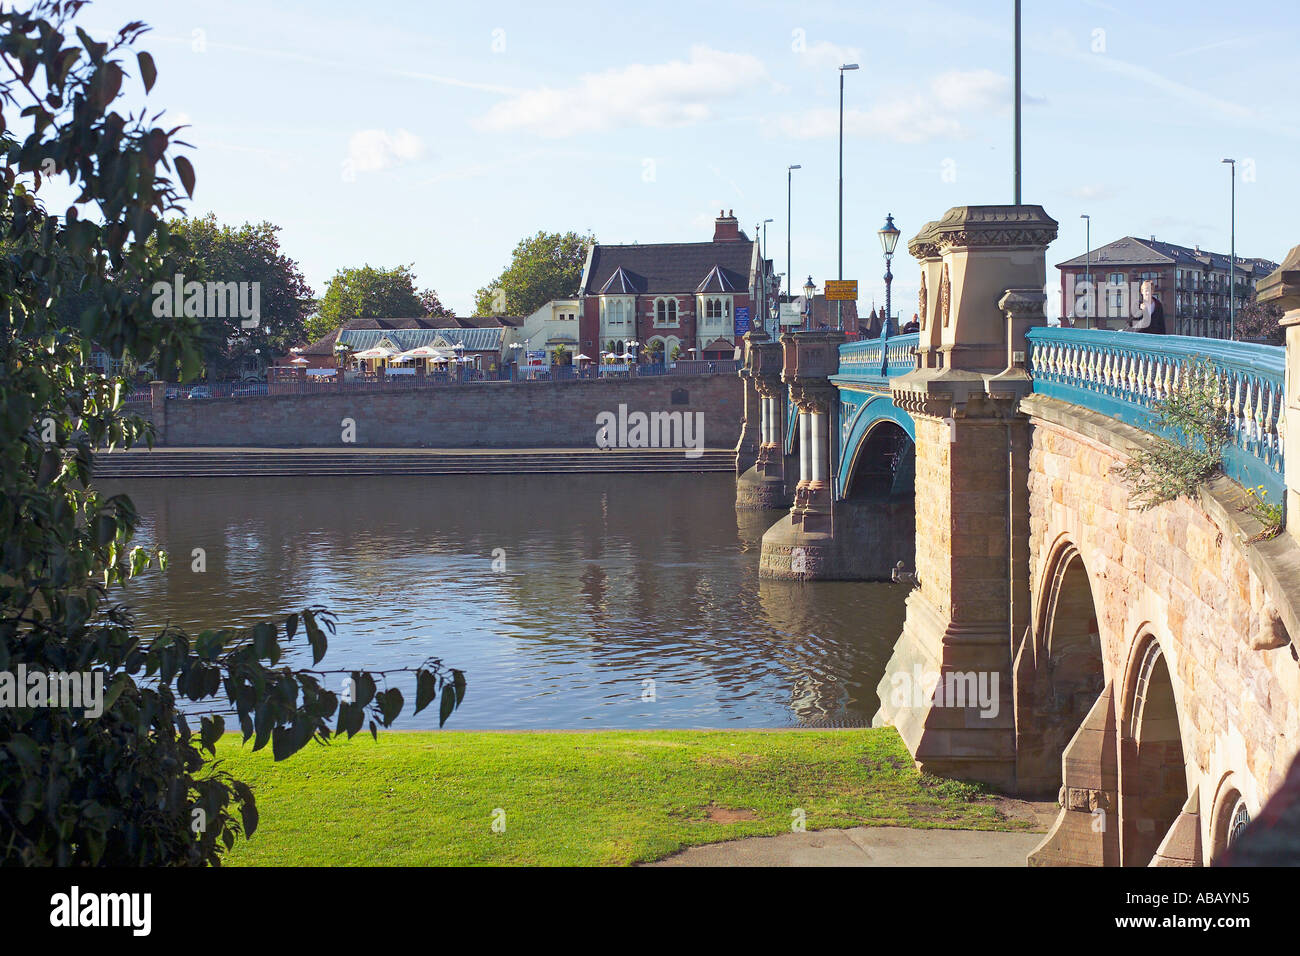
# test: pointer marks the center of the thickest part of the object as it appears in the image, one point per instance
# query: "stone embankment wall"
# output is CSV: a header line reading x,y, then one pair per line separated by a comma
x,y
491,415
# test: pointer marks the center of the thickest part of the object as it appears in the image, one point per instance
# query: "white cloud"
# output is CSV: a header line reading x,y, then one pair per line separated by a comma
x,y
910,116
826,56
958,91
1098,192
370,150
677,93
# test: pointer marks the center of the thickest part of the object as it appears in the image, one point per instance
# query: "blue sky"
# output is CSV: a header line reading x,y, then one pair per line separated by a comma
x,y
441,133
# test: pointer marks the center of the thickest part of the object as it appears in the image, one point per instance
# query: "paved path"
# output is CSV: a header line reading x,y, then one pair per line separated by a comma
x,y
866,846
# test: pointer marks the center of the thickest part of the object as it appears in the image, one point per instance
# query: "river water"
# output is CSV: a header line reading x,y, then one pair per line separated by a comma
x,y
570,601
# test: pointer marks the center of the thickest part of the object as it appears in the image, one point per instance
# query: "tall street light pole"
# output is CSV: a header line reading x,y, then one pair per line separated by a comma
x,y
1017,94
1232,256
840,303
789,263
1087,267
765,292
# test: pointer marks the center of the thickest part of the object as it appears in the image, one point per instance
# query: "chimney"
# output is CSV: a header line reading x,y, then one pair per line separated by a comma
x,y
725,228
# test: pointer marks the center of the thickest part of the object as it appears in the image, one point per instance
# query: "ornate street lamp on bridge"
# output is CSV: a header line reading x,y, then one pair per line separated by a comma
x,y
809,290
889,234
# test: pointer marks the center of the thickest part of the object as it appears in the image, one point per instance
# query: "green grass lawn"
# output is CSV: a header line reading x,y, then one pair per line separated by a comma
x,y
610,797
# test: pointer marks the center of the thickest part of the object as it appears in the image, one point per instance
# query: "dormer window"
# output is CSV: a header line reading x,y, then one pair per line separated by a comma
x,y
715,310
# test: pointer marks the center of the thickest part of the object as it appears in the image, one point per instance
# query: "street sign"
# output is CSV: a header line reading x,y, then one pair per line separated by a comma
x,y
840,290
742,320
790,314
535,356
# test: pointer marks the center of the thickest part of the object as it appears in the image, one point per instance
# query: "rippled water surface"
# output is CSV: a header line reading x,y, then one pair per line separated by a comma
x,y
609,582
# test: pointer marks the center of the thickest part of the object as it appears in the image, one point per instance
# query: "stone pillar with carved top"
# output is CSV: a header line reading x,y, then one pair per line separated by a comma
x,y
762,486
948,685
750,429
1282,288
800,546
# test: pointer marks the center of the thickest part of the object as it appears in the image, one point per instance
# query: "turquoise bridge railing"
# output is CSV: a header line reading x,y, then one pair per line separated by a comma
x,y
878,360
1123,374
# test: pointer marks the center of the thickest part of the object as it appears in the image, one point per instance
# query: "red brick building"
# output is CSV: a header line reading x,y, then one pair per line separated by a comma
x,y
1192,285
674,295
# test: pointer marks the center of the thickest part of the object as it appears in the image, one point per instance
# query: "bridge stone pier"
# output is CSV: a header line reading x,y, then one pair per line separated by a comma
x,y
1140,665
972,446
763,486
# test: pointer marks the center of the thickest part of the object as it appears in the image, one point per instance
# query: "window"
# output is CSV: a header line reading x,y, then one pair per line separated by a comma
x,y
666,311
1116,295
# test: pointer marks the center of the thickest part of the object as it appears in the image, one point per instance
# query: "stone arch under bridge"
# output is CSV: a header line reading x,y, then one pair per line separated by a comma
x,y
1161,634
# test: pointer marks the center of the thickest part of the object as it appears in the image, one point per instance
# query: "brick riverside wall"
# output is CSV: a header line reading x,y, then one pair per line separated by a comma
x,y
1181,574
498,415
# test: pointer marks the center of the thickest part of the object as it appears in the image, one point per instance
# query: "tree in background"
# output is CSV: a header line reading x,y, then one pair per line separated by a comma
x,y
543,267
128,786
433,306
365,292
250,253
1260,321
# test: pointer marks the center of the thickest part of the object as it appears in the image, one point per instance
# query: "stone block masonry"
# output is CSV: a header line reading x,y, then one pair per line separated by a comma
x,y
479,415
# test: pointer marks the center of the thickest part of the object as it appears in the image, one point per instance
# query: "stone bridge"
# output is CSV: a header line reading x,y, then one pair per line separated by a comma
x,y
1139,665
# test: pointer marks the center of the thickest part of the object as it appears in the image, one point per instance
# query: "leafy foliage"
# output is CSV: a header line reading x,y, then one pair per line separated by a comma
x,y
1194,417
542,267
1271,514
129,787
368,292
250,253
1260,321
432,306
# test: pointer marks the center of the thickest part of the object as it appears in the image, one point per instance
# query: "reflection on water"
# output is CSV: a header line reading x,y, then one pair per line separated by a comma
x,y
609,582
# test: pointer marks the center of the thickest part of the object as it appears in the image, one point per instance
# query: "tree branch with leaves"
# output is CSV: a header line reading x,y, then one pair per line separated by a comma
x,y
126,787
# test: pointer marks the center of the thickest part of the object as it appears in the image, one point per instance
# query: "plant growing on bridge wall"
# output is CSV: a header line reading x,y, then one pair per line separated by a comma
x,y
1268,513
1191,426
116,775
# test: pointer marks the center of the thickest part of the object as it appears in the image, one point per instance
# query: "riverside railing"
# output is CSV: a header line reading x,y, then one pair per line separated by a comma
x,y
879,359
1124,374
326,385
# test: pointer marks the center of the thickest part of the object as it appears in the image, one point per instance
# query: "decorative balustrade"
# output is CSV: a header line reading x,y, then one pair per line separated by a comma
x,y
1124,374
878,360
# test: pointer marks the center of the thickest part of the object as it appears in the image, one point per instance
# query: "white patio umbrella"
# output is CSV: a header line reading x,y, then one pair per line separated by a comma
x,y
299,361
420,351
378,352
582,358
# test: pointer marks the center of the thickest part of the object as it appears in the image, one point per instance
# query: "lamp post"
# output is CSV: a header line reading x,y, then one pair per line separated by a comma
x,y
809,290
840,303
888,241
789,265
1087,264
1232,256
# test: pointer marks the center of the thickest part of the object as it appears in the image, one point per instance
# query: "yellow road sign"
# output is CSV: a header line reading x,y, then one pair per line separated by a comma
x,y
841,290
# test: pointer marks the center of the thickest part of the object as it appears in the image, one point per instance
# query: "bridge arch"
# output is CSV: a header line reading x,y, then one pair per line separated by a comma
x,y
1152,763
1230,811
876,421
1061,673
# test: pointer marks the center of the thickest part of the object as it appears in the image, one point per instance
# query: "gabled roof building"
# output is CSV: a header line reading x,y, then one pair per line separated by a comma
x,y
666,295
1191,284
483,336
